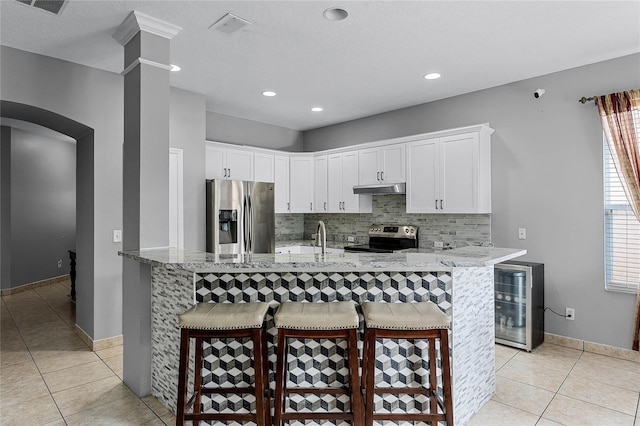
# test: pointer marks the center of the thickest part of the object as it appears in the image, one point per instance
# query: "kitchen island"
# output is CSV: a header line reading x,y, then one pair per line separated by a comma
x,y
459,281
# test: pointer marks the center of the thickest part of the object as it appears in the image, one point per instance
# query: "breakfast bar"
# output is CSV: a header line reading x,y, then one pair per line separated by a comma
x,y
459,281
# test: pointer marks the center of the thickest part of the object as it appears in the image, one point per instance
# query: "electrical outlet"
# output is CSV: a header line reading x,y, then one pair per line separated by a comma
x,y
438,244
117,235
570,314
522,233
351,239
59,263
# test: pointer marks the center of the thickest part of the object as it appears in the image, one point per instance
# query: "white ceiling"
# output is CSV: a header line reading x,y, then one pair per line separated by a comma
x,y
371,62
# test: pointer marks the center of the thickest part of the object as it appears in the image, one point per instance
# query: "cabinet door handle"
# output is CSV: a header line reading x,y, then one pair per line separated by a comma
x,y
441,208
325,206
311,206
381,175
288,207
225,172
436,204
377,175
229,173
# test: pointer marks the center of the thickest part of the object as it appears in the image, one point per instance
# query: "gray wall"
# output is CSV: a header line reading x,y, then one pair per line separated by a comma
x,y
187,132
546,177
94,98
43,206
225,128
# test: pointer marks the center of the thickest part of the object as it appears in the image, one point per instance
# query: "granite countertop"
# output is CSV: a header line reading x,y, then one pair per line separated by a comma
x,y
417,259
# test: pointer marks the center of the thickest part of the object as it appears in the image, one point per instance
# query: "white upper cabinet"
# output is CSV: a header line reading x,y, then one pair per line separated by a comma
x,y
423,176
320,194
301,184
384,164
450,174
281,179
342,177
263,167
223,162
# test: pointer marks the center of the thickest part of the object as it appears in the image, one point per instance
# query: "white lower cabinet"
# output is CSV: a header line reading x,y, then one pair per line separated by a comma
x,y
450,174
342,176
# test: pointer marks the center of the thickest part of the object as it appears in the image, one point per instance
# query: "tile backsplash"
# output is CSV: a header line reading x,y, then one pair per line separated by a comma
x,y
455,229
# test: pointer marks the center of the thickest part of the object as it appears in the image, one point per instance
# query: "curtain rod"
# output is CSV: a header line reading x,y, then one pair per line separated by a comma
x,y
584,100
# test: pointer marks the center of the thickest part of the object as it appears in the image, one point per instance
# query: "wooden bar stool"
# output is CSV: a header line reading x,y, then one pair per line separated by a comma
x,y
411,321
331,320
223,321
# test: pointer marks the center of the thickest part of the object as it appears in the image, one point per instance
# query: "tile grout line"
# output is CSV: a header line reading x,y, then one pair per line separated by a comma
x,y
559,387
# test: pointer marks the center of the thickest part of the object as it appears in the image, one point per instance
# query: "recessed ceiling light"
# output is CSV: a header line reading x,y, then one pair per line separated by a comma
x,y
335,14
432,76
175,68
317,109
268,93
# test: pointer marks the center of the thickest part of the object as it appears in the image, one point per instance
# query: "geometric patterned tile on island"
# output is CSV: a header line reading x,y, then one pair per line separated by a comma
x,y
322,363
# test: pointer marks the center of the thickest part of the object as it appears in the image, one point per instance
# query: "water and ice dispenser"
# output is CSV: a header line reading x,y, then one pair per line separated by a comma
x,y
228,226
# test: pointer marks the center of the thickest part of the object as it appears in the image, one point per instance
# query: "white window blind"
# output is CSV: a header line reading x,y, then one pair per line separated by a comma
x,y
622,233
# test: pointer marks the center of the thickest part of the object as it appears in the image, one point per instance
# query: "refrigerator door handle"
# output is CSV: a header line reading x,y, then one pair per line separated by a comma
x,y
250,227
245,216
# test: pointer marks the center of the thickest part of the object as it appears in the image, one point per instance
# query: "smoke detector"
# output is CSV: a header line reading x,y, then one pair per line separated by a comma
x,y
229,24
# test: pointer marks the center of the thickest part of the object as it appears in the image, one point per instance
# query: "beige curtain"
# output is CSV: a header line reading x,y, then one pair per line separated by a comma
x,y
620,115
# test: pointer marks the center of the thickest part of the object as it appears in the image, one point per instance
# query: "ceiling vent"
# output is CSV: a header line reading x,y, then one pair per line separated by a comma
x,y
53,6
229,24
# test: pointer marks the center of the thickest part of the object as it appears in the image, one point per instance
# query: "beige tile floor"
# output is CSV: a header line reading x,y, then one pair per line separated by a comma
x,y
49,376
554,385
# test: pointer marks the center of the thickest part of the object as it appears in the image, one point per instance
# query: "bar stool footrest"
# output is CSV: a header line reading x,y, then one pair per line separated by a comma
x,y
317,416
404,391
223,391
319,391
221,417
411,417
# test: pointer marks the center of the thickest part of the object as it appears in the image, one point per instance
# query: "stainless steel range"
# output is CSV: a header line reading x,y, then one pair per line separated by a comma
x,y
388,239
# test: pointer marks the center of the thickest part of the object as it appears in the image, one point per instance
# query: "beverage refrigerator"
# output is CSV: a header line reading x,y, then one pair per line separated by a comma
x,y
519,304
240,217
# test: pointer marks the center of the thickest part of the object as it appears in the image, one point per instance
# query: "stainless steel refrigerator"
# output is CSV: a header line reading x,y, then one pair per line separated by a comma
x,y
240,217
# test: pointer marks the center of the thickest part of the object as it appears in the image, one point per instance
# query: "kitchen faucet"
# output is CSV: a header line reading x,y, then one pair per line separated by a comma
x,y
321,240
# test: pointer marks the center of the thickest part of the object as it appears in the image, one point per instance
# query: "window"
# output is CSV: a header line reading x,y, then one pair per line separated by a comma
x,y
621,233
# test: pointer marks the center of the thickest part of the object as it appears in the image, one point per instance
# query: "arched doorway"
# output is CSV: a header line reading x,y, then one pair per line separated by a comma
x,y
84,137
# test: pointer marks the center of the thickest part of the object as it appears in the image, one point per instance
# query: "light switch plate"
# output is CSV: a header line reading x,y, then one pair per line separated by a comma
x,y
117,235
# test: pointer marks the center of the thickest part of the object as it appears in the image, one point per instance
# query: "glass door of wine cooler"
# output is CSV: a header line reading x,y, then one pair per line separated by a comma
x,y
516,317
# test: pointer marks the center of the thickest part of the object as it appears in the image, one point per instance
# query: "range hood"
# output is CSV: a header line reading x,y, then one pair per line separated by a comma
x,y
381,188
